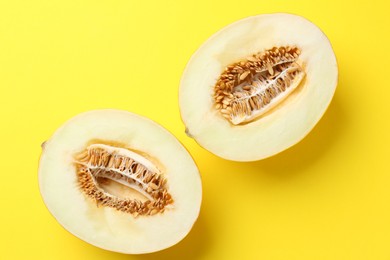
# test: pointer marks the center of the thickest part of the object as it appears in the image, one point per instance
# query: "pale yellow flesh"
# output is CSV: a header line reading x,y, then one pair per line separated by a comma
x,y
106,227
287,123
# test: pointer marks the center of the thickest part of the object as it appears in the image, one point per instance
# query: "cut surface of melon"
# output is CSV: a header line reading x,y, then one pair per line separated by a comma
x,y
258,86
120,182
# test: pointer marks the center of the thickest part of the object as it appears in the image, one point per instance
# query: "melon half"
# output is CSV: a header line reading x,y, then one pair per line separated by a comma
x,y
120,182
258,86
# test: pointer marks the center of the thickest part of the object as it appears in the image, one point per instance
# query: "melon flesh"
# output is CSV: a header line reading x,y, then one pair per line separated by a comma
x,y
107,227
284,125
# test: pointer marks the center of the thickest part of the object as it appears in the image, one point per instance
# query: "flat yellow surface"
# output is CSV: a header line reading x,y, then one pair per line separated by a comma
x,y
327,197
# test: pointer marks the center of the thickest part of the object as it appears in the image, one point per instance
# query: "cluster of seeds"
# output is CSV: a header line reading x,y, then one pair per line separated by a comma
x,y
246,88
95,164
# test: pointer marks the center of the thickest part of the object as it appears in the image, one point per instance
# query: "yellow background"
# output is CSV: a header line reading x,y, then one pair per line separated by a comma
x,y
328,197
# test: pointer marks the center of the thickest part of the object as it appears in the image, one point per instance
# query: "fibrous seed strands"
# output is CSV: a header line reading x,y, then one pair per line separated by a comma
x,y
249,88
125,167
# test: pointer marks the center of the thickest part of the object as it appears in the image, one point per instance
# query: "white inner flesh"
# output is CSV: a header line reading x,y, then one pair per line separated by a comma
x,y
126,153
116,151
260,89
112,192
118,190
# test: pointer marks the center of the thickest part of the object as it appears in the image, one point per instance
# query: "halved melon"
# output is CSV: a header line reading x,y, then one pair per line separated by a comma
x,y
258,86
120,181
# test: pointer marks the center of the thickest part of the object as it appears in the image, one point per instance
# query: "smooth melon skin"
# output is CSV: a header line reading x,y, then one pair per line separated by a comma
x,y
106,227
284,125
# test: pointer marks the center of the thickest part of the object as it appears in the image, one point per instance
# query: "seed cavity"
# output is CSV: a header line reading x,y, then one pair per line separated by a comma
x,y
99,165
249,88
